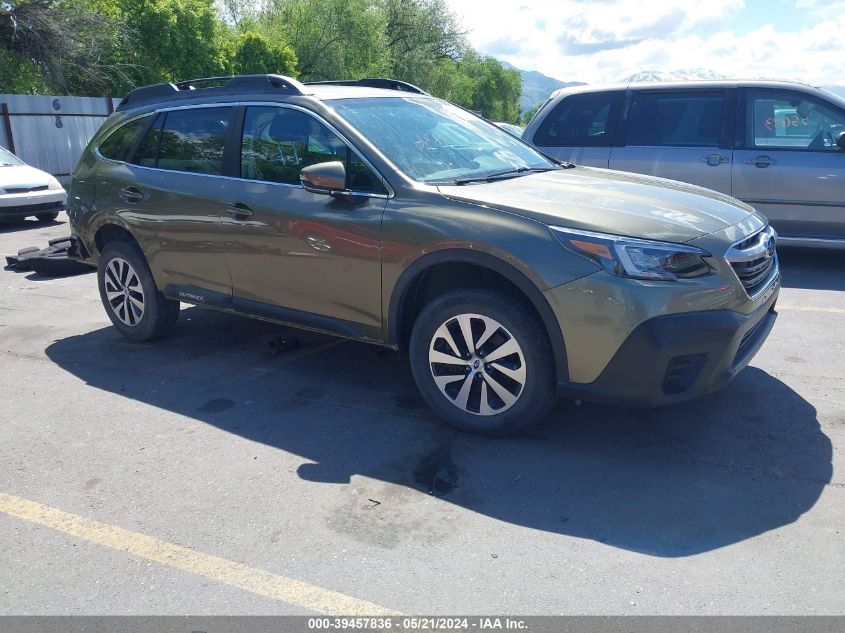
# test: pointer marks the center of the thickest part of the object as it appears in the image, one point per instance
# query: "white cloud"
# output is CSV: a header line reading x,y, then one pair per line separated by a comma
x,y
600,41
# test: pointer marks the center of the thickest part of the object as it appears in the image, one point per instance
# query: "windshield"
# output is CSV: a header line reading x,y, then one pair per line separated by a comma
x,y
7,159
435,142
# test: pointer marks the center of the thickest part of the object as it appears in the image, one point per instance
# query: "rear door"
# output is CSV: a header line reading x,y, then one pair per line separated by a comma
x,y
175,196
788,165
683,135
580,128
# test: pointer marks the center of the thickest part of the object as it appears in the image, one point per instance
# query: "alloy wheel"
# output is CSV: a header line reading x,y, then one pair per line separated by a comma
x,y
124,292
477,364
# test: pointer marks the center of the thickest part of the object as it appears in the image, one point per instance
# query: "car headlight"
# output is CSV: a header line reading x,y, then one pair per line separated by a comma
x,y
635,258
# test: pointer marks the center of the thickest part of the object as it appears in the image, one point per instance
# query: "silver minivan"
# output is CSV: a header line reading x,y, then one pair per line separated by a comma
x,y
778,146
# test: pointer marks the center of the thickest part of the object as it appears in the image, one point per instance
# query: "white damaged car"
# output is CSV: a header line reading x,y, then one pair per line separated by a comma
x,y
26,191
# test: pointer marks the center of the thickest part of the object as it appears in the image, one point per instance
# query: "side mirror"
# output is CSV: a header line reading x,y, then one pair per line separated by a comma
x,y
840,140
326,178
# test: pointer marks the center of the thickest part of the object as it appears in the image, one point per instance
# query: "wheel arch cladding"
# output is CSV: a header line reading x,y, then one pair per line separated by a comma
x,y
111,232
452,269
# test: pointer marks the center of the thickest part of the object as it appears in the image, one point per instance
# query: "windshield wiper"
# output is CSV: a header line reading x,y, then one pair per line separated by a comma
x,y
502,175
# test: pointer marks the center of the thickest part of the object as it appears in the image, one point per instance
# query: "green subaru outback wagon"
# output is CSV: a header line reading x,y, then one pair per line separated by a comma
x,y
373,211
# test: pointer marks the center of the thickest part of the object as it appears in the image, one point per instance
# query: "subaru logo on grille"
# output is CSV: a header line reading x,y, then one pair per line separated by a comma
x,y
770,246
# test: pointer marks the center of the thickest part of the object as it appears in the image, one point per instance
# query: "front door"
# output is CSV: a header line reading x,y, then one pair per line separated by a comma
x,y
580,128
789,166
678,135
296,256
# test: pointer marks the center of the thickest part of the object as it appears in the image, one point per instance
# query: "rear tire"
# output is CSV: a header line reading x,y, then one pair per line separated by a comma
x,y
130,296
483,362
47,217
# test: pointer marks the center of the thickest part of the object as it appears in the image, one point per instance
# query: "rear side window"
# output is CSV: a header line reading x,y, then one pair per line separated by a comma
x,y
119,143
581,120
147,152
192,140
675,120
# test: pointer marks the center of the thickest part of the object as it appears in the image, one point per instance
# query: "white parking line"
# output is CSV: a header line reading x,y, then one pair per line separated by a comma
x,y
252,579
792,308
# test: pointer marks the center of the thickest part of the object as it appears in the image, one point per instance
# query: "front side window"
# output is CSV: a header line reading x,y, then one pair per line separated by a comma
x,y
279,142
581,120
192,140
791,120
435,142
659,119
119,143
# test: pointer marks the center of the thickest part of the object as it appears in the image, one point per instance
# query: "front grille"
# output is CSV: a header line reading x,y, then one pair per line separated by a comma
x,y
25,189
754,260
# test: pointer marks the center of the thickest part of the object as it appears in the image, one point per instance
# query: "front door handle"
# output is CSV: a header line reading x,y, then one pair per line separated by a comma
x,y
761,161
239,211
715,159
131,195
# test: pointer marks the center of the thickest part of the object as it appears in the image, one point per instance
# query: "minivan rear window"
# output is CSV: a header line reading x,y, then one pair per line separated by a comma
x,y
675,120
192,140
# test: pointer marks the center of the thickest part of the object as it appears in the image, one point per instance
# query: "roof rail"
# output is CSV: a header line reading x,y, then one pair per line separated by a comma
x,y
373,82
216,86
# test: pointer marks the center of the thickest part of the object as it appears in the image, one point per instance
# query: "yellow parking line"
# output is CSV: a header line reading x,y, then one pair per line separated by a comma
x,y
780,307
252,579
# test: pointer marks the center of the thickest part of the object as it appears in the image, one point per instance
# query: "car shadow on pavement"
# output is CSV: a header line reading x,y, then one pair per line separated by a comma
x,y
672,482
814,269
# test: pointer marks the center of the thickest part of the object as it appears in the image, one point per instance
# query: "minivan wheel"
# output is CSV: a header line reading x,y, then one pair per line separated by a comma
x,y
483,362
129,294
47,217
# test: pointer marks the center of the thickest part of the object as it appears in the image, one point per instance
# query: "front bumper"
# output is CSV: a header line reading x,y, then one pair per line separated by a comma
x,y
678,357
24,210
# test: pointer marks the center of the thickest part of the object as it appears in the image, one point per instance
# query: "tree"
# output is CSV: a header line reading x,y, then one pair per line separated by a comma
x,y
254,53
61,44
107,47
236,11
419,35
529,114
172,39
332,39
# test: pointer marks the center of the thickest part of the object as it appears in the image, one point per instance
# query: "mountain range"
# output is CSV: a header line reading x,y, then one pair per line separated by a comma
x,y
536,87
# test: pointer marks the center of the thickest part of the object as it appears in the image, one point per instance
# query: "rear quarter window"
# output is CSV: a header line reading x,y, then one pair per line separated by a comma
x,y
120,142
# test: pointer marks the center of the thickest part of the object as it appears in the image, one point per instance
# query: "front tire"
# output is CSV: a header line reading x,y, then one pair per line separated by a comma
x,y
130,296
483,362
47,217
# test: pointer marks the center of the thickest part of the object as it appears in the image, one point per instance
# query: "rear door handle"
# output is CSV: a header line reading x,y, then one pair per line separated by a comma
x,y
760,161
715,159
131,195
239,211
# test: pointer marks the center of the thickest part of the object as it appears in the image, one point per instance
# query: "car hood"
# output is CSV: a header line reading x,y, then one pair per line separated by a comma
x,y
609,202
23,176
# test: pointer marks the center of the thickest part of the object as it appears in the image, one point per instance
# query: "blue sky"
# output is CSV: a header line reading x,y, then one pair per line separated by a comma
x,y
608,40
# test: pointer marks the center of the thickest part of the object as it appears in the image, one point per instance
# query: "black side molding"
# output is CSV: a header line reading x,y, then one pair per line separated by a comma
x,y
261,310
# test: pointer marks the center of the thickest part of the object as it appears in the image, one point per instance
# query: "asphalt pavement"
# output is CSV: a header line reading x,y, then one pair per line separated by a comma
x,y
238,467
